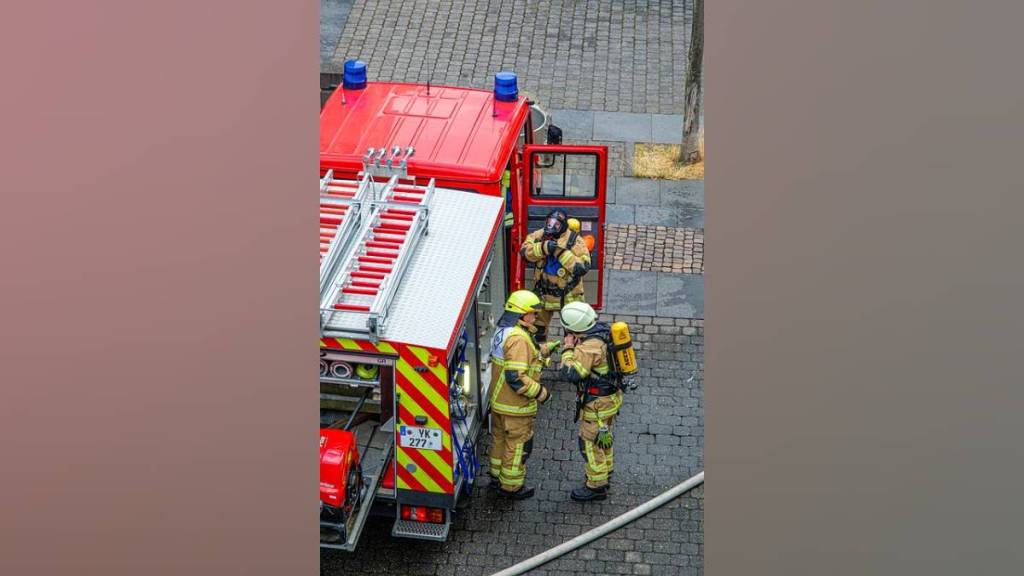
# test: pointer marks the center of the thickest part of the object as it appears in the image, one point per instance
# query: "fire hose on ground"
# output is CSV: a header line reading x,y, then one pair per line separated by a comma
x,y
609,526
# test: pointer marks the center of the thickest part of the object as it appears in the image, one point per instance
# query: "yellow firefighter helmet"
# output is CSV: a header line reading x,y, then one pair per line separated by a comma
x,y
522,302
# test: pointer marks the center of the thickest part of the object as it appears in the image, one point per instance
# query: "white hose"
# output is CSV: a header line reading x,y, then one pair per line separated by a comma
x,y
323,368
609,526
341,369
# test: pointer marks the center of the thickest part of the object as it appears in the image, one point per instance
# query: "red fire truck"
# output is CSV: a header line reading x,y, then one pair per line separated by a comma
x,y
426,192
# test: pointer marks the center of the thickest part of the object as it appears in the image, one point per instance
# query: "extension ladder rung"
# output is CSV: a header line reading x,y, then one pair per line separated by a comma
x,y
352,307
386,244
364,274
356,290
375,260
405,199
390,229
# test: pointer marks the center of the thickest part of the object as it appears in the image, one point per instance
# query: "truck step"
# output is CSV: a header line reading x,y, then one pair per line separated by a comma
x,y
421,530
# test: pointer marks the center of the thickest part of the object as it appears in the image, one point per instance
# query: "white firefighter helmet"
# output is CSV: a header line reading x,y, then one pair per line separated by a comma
x,y
578,317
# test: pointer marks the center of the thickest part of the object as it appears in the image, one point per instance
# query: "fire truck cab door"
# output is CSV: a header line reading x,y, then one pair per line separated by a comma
x,y
573,178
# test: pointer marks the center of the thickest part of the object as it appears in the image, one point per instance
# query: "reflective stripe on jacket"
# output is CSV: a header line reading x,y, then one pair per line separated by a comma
x,y
574,259
520,356
590,357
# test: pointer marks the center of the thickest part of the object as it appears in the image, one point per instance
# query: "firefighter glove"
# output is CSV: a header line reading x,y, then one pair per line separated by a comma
x,y
549,348
551,247
604,438
544,395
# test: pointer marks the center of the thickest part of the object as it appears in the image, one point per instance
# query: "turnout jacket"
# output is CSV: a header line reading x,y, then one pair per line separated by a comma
x,y
518,388
584,365
558,268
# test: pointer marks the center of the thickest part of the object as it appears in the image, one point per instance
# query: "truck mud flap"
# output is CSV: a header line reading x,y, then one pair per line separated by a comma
x,y
374,457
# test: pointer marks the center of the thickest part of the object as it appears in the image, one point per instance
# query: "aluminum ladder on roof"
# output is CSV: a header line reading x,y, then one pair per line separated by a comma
x,y
342,206
368,276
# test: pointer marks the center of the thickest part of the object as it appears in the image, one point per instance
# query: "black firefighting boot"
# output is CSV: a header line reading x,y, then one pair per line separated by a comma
x,y
523,493
495,483
586,494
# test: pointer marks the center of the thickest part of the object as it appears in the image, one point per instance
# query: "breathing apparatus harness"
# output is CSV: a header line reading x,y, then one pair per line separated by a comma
x,y
544,287
596,385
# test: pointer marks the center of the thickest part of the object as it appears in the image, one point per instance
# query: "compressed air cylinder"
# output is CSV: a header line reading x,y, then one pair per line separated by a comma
x,y
625,356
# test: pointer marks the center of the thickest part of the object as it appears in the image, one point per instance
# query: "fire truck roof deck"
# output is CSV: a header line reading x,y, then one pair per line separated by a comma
x,y
437,257
458,133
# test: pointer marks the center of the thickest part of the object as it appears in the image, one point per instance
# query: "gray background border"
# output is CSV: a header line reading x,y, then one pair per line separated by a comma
x,y
864,288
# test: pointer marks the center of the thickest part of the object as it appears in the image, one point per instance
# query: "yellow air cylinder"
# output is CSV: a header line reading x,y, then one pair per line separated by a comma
x,y
625,356
574,224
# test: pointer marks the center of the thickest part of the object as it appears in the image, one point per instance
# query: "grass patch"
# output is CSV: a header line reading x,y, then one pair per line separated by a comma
x,y
659,161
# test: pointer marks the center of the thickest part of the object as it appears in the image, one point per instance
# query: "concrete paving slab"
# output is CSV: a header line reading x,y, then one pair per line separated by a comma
x,y
680,295
690,216
667,128
674,192
638,191
619,214
686,198
656,216
631,292
622,126
575,124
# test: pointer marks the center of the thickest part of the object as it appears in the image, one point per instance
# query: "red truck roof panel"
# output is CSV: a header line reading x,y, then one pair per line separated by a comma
x,y
458,133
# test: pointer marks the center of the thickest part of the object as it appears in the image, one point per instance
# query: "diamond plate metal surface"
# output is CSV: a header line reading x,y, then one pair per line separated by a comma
x,y
426,306
423,530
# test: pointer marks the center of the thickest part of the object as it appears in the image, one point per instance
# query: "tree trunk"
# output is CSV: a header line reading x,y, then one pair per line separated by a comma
x,y
693,133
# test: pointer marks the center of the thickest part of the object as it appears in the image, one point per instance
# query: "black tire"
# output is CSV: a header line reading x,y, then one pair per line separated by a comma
x,y
353,488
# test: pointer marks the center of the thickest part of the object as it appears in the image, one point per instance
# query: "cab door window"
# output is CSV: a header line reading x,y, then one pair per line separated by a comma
x,y
558,175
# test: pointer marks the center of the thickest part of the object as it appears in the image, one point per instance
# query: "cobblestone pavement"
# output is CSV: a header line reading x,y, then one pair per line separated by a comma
x,y
608,55
655,248
333,14
659,441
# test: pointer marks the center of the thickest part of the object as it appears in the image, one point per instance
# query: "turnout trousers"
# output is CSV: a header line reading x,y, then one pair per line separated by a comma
x,y
598,462
511,443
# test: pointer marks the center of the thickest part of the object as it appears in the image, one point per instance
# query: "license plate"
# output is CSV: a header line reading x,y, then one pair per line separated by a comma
x,y
421,438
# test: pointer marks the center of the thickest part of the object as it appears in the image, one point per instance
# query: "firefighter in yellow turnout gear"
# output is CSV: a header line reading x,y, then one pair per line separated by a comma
x,y
561,259
516,363
585,362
